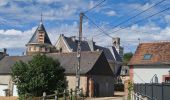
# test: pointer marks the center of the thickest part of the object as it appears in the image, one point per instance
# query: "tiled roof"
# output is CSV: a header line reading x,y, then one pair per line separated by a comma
x,y
159,51
34,38
89,60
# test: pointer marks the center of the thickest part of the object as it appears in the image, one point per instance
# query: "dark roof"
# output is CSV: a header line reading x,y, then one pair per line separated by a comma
x,y
159,52
88,46
73,44
67,60
34,38
117,56
106,51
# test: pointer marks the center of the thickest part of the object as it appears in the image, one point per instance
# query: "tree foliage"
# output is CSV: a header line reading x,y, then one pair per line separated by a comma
x,y
41,74
127,57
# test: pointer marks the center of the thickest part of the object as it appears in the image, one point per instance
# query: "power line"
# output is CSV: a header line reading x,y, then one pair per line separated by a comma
x,y
95,6
138,14
98,26
135,16
144,19
135,9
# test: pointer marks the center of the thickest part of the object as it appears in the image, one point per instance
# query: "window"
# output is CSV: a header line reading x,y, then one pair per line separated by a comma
x,y
147,56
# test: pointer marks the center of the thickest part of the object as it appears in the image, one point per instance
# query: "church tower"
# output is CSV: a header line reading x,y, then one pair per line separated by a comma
x,y
116,44
39,42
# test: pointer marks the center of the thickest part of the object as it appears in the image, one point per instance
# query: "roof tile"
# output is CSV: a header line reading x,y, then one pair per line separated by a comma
x,y
159,51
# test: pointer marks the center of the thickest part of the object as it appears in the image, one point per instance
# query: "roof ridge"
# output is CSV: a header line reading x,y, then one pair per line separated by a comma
x,y
166,41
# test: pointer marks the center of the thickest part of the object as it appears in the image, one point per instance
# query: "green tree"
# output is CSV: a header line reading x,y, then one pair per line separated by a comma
x,y
41,74
127,57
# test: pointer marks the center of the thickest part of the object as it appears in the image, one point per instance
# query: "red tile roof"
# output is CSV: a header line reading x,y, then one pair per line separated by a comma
x,y
160,52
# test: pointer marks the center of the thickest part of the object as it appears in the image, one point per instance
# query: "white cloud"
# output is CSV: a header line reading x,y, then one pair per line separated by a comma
x,y
15,38
3,2
91,4
68,10
146,6
167,19
10,32
111,13
129,37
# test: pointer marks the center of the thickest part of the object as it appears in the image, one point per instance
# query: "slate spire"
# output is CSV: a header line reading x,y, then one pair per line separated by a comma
x,y
40,36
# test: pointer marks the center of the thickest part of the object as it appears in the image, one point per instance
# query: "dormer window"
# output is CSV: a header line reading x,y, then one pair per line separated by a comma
x,y
147,56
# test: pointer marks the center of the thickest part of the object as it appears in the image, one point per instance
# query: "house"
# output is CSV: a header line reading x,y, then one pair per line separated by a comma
x,y
99,65
69,44
95,72
150,63
39,42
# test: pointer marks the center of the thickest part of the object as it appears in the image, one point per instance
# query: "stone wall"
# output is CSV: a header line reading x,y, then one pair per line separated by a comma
x,y
72,83
4,79
61,45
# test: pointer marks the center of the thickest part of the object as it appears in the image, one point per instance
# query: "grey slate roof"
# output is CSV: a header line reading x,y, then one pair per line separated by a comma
x,y
89,46
67,60
73,44
106,51
117,57
34,38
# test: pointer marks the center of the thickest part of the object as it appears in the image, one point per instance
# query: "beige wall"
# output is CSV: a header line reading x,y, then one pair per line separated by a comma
x,y
4,83
4,79
72,82
61,44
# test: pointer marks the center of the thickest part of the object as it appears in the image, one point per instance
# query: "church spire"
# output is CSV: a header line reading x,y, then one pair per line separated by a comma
x,y
41,18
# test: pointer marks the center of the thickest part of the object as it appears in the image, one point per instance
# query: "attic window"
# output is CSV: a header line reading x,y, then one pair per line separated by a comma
x,y
147,56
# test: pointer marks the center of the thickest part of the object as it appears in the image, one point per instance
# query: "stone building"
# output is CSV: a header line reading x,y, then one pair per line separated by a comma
x,y
96,76
69,44
39,42
99,65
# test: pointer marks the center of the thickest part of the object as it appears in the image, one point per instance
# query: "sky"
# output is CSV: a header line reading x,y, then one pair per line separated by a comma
x,y
20,18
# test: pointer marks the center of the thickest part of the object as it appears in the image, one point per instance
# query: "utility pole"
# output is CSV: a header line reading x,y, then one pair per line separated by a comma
x,y
79,55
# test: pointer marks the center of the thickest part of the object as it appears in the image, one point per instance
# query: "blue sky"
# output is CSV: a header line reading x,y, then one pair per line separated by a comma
x,y
20,18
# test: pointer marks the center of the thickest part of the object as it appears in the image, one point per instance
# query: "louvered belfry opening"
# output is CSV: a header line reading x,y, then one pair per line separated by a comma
x,y
41,36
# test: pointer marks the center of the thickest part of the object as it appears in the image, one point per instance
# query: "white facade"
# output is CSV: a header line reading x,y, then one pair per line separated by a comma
x,y
5,84
144,74
15,90
2,88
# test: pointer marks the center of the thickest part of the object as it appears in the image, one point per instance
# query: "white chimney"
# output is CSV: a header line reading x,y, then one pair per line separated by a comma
x,y
116,42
